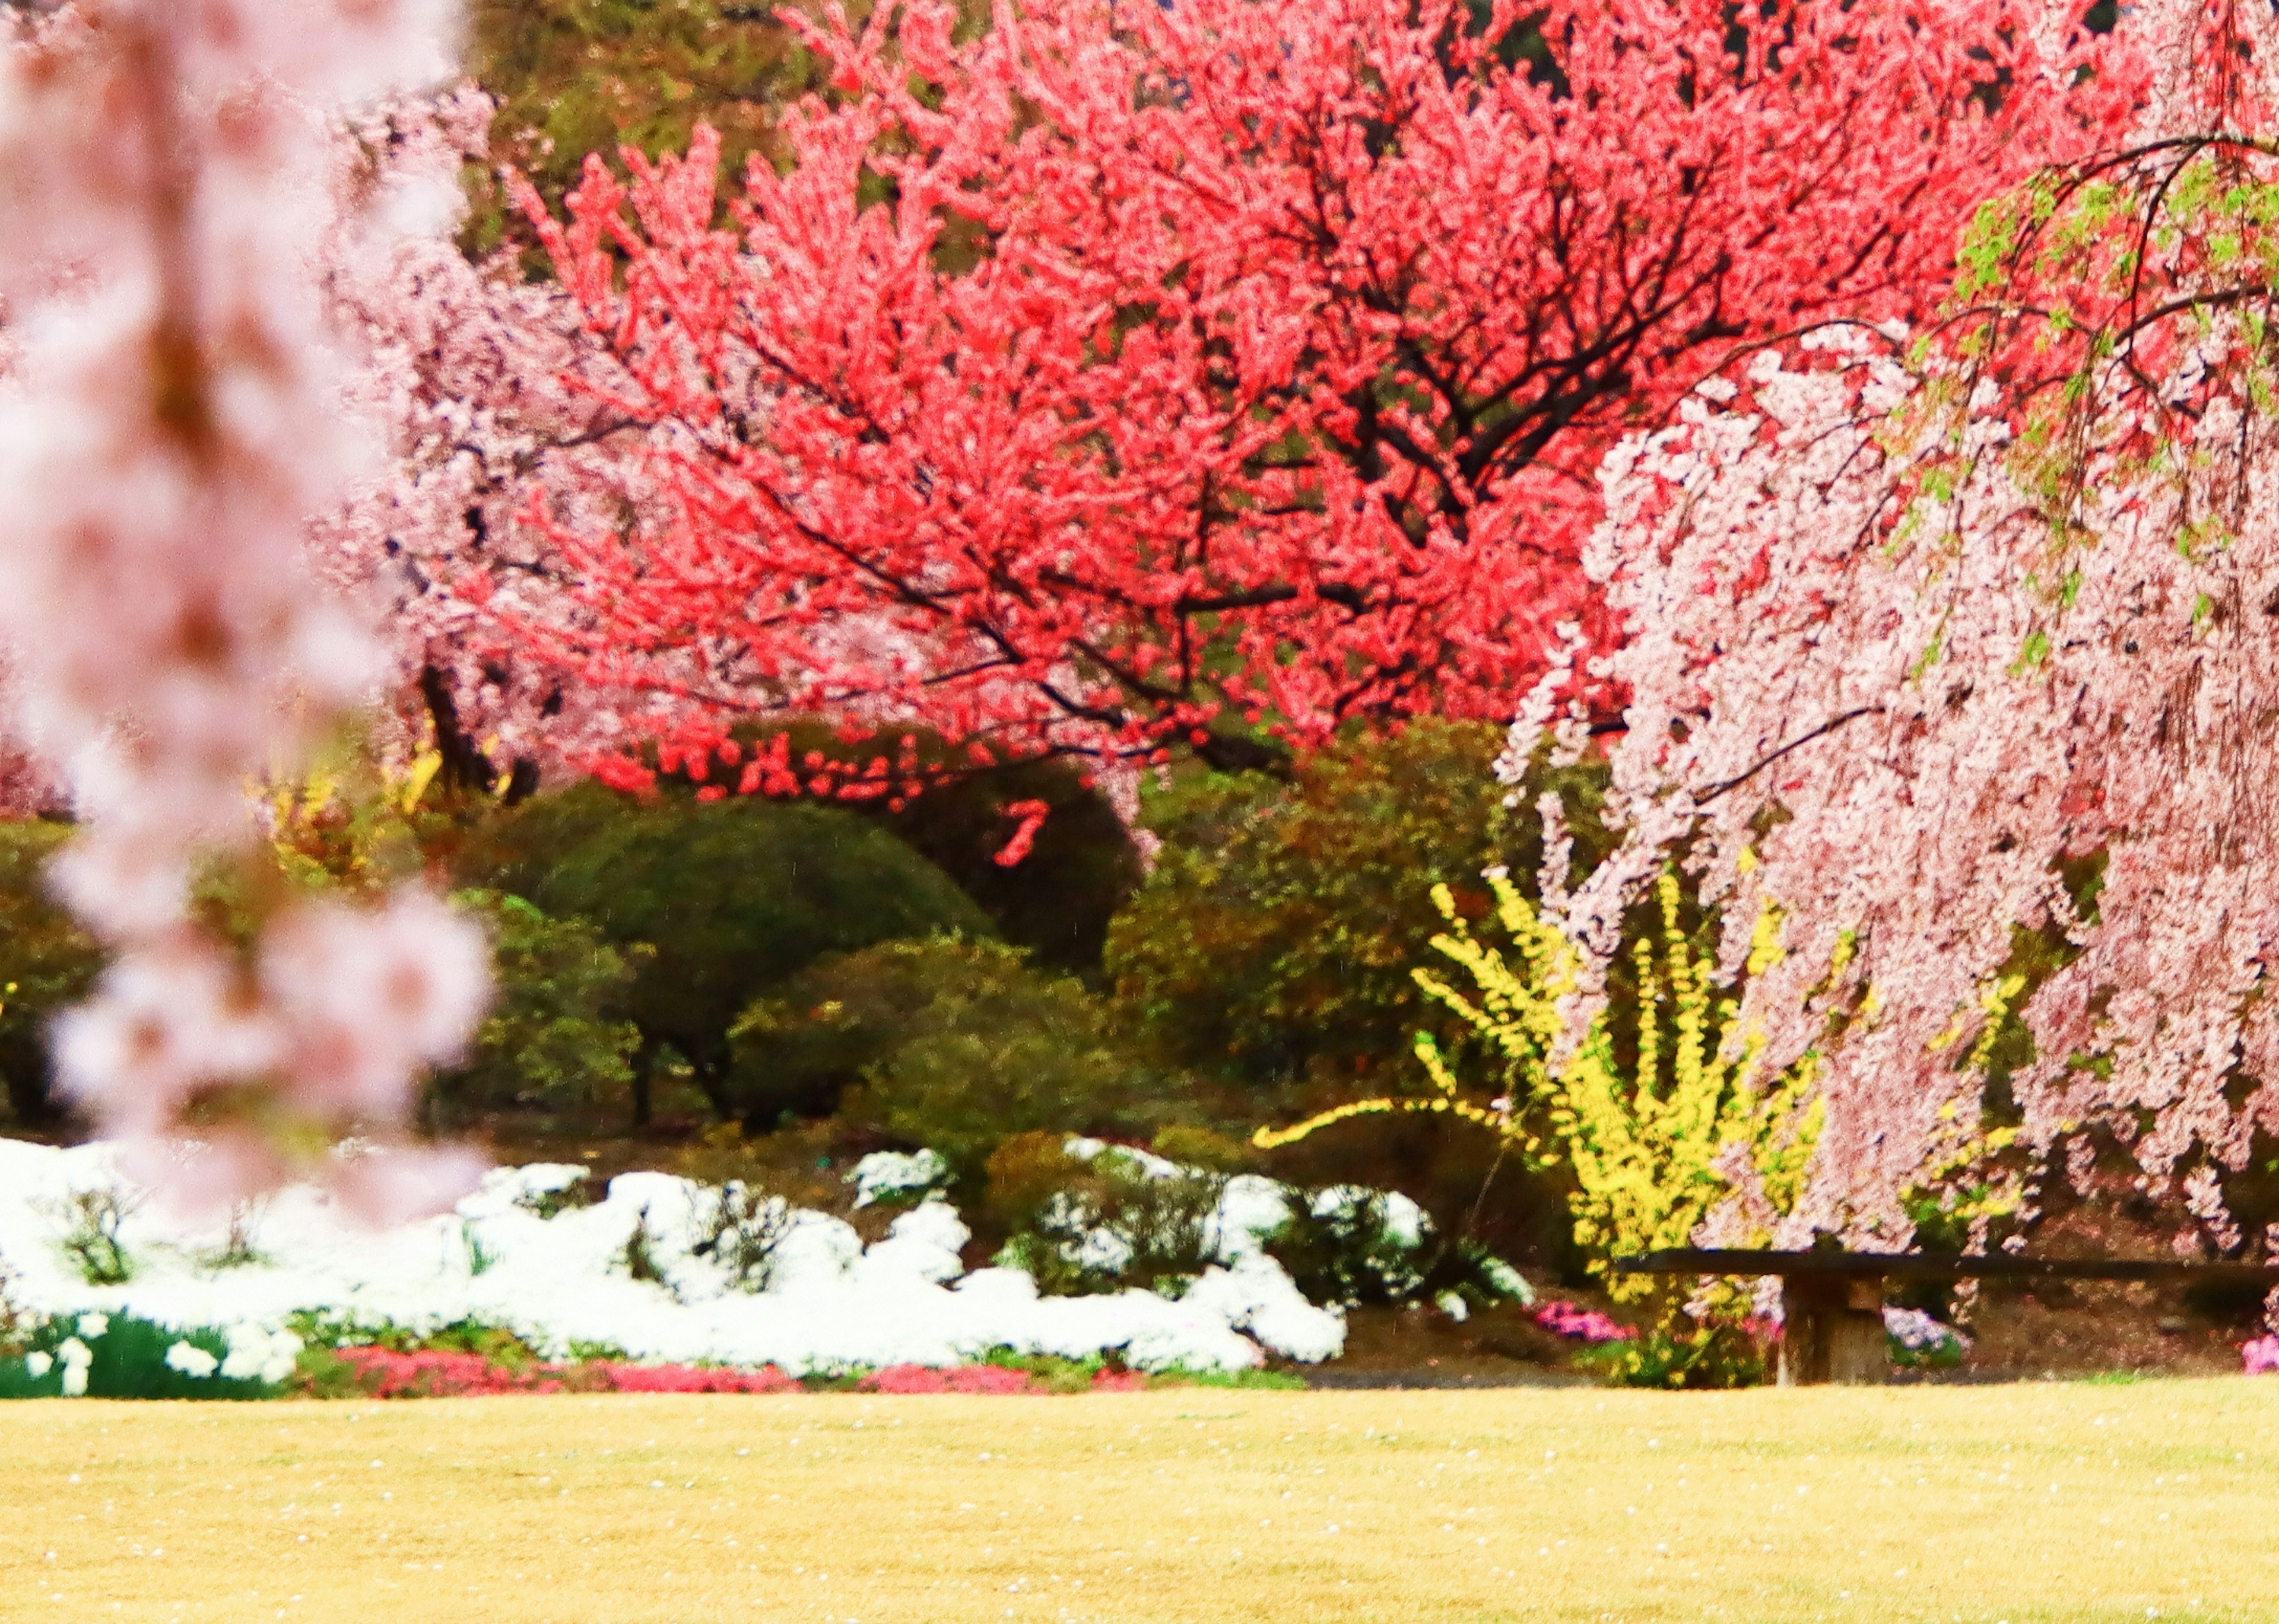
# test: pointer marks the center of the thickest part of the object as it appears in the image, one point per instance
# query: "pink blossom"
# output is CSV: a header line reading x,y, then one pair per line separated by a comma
x,y
362,997
172,416
990,1379
1581,1325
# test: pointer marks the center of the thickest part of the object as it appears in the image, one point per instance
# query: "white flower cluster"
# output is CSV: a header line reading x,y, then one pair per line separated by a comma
x,y
1919,1332
883,1175
259,1353
191,1359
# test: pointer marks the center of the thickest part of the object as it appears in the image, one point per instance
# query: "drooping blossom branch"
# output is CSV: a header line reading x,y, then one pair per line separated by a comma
x,y
2028,558
173,418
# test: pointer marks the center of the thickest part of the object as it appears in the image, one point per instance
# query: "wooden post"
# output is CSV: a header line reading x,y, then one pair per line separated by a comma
x,y
1831,1331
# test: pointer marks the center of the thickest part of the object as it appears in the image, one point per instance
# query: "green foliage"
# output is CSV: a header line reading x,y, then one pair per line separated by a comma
x,y
1274,938
1683,1354
547,1038
574,77
88,1223
735,896
568,1197
1238,1381
1055,1374
1946,1354
47,964
949,1044
639,1256
1345,1246
1201,1148
1348,1252
1056,902
1084,1226
328,1329
128,1360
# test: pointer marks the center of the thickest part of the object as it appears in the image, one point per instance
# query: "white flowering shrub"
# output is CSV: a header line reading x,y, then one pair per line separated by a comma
x,y
738,1230
551,1188
1087,1218
564,1287
1918,1341
894,1175
87,1224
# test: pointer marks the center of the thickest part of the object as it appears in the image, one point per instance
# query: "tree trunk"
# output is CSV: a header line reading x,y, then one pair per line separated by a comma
x,y
31,1097
643,1063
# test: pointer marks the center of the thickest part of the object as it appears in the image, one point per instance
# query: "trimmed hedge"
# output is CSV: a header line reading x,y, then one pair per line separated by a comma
x,y
735,896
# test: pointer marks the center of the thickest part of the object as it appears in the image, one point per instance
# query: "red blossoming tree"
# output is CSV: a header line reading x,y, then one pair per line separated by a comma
x,y
1136,378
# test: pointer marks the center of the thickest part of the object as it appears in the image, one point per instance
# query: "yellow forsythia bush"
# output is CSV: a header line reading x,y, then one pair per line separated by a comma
x,y
1647,1143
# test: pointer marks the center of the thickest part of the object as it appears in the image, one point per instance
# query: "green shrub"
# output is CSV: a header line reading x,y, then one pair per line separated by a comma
x,y
1347,1247
332,1327
1717,1355
1024,1172
1274,938
1081,865
1055,1374
951,1045
1202,1147
735,896
47,964
547,1038
87,1224
1346,1250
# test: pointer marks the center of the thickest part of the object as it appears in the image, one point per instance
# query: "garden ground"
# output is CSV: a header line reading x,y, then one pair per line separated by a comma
x,y
2037,1501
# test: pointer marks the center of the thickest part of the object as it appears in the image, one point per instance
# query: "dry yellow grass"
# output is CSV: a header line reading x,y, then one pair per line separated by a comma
x,y
2040,1502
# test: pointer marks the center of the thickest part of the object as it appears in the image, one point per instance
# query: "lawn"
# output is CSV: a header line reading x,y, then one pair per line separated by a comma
x,y
2034,1502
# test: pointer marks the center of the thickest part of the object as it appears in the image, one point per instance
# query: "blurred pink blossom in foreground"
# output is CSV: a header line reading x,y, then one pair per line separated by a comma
x,y
2260,1356
172,418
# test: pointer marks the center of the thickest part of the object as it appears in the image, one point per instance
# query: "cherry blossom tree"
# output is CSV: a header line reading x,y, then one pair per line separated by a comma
x,y
467,365
172,416
1959,651
1136,379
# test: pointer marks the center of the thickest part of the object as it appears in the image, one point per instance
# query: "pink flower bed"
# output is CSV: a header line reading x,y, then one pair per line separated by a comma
x,y
691,1379
1584,1324
386,1373
2260,1356
958,1379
